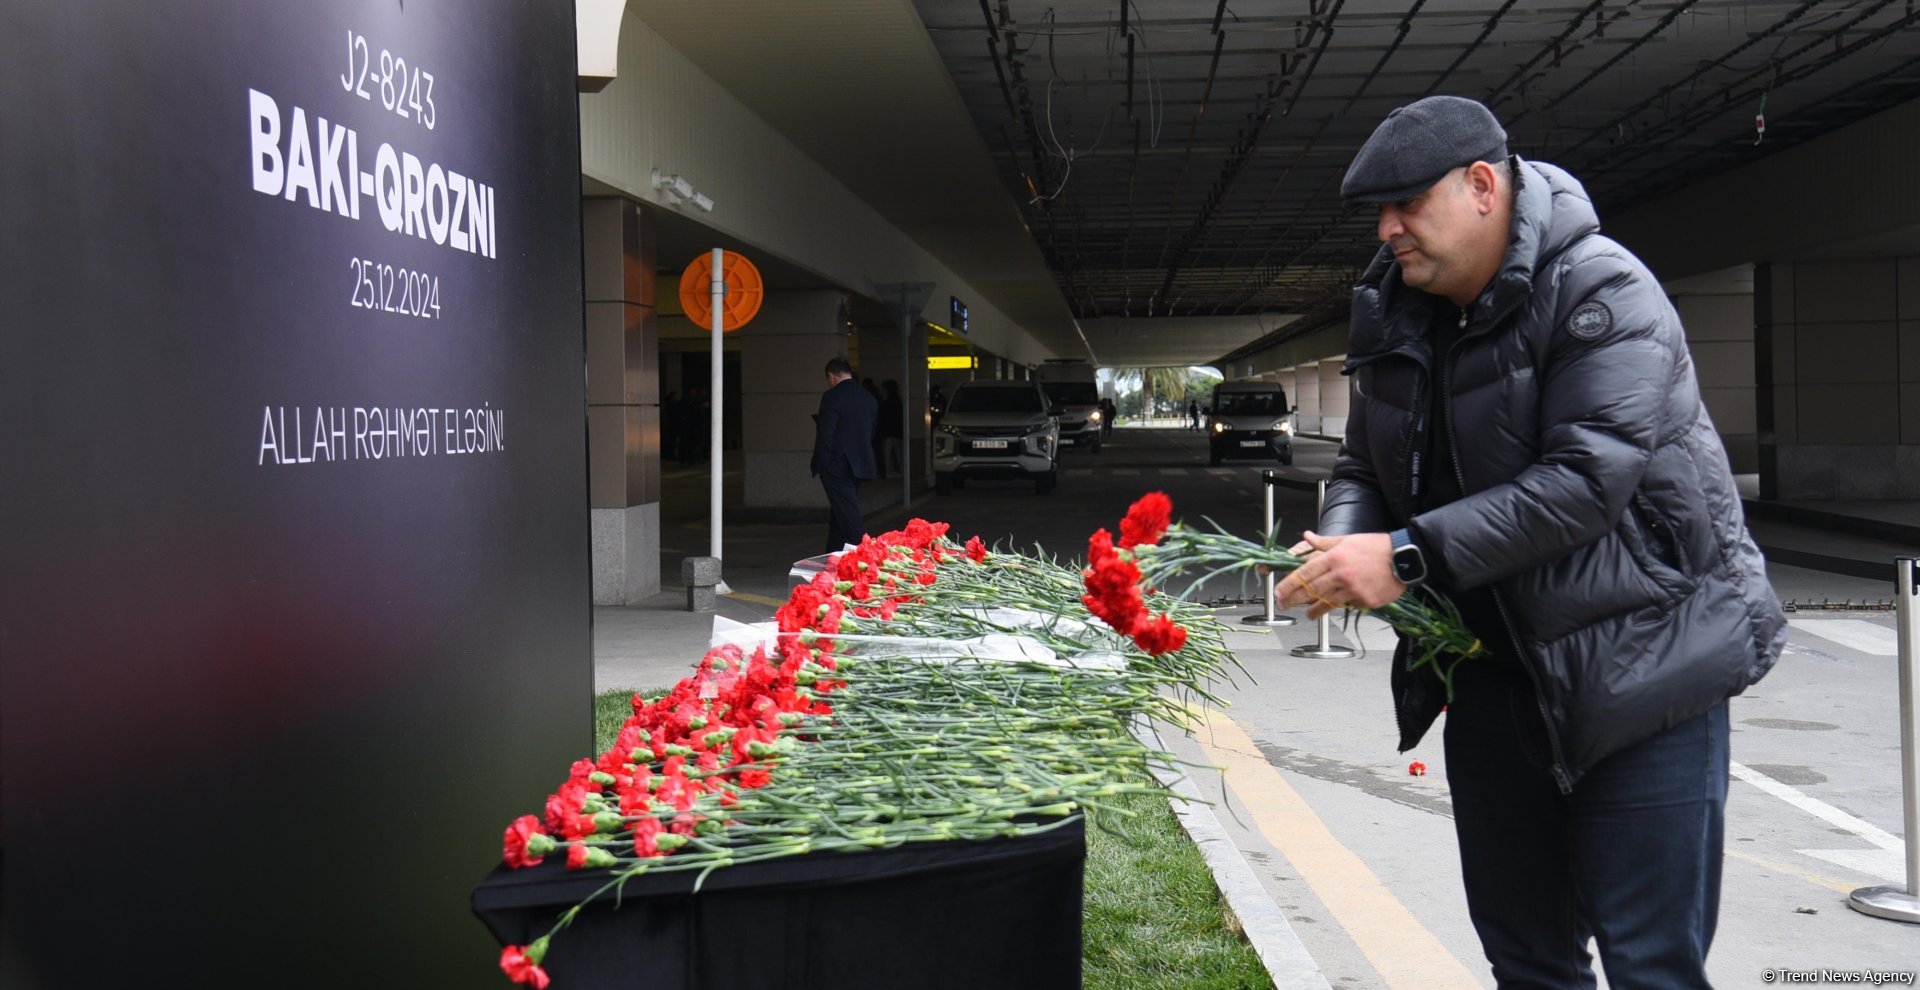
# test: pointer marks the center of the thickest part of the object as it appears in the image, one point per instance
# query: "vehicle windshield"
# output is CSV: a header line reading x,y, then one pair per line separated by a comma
x,y
1073,393
1249,404
992,399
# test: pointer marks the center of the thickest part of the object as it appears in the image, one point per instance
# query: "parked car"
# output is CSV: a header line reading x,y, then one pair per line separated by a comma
x,y
1250,419
1073,387
997,429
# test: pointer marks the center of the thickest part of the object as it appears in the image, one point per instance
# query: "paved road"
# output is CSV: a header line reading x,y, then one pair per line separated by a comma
x,y
1360,855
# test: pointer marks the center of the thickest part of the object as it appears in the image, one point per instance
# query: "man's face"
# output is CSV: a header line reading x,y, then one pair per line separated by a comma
x,y
1431,235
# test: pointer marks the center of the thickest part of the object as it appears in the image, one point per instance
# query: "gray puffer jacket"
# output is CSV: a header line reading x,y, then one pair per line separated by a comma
x,y
1597,501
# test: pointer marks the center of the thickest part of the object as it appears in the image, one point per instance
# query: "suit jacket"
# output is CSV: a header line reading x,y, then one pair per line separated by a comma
x,y
843,432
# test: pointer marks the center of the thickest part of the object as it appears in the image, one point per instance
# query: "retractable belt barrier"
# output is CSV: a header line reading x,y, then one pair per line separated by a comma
x,y
1889,900
1268,480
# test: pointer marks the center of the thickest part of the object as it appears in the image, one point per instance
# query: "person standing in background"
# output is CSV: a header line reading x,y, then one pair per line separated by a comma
x,y
878,440
843,451
892,411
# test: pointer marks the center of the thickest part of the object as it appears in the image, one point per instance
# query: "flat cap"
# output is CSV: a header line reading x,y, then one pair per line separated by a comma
x,y
1418,144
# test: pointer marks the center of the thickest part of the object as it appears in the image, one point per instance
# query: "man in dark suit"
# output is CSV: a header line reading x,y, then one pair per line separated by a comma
x,y
843,451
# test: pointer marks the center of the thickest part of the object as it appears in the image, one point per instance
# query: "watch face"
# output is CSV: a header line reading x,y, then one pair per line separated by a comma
x,y
1409,565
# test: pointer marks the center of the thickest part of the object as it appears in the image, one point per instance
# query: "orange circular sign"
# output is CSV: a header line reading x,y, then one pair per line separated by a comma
x,y
737,307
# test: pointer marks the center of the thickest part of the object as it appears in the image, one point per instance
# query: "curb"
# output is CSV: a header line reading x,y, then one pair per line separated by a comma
x,y
1261,921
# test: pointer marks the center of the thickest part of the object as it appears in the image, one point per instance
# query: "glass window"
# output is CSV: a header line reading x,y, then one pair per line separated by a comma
x,y
1073,393
1250,403
993,399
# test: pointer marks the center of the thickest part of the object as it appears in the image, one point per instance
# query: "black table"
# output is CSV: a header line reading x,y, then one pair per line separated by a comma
x,y
1000,913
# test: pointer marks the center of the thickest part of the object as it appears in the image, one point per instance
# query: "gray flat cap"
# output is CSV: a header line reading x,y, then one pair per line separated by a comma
x,y
1418,144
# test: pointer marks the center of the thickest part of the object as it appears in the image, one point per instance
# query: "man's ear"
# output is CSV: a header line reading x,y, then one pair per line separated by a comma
x,y
1483,184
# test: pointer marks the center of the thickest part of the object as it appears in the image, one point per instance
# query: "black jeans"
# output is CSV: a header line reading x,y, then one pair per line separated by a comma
x,y
844,524
1631,858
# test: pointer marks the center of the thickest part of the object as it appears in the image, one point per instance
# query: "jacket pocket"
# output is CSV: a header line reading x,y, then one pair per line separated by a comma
x,y
1661,540
1656,547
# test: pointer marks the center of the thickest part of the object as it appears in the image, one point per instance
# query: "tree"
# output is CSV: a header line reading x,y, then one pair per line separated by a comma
x,y
1169,384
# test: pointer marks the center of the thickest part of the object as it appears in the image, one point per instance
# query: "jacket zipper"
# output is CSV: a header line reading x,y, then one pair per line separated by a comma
x,y
1560,775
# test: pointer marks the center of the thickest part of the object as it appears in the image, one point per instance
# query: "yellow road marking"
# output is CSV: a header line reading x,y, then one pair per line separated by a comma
x,y
757,599
1798,874
1401,949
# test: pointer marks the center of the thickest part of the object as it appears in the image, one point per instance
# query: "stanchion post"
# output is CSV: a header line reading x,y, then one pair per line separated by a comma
x,y
1323,649
1889,900
1269,617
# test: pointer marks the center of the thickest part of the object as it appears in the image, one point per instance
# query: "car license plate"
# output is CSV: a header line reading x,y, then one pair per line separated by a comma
x,y
989,445
1253,443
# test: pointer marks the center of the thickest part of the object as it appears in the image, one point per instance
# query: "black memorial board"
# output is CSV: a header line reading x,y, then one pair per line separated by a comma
x,y
295,597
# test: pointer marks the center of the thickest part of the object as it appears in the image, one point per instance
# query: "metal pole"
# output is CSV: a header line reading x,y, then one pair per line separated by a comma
x,y
1324,649
906,403
1889,901
1270,618
716,422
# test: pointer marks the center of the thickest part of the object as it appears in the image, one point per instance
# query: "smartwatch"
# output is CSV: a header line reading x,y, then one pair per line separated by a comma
x,y
1409,564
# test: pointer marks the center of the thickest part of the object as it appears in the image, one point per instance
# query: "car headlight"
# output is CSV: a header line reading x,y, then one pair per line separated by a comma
x,y
1094,416
947,431
1284,426
1219,427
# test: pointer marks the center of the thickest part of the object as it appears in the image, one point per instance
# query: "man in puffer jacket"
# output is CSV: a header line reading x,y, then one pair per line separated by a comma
x,y
1527,438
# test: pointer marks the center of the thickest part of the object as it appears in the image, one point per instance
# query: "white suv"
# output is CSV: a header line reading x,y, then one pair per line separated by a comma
x,y
997,430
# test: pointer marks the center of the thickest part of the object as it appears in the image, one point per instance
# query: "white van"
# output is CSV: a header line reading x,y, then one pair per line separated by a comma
x,y
1072,386
1250,419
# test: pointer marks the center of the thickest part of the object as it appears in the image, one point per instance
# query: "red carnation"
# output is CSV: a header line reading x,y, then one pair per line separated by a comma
x,y
514,849
1159,634
1146,520
976,550
521,968
1417,768
1112,582
565,803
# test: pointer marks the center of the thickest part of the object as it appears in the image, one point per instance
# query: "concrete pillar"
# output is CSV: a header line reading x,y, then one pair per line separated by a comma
x,y
1837,353
1307,379
1333,397
783,358
1720,337
1289,381
623,400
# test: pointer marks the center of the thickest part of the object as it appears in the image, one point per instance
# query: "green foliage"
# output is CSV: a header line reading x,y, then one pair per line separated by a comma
x,y
1154,920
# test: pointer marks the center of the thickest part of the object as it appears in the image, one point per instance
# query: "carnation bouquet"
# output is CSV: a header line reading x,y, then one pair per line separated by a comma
x,y
916,690
1154,550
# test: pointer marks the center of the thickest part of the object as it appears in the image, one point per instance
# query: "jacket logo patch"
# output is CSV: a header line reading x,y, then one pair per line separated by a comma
x,y
1589,320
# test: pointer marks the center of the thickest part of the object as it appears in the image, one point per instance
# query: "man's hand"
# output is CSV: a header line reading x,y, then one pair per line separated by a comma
x,y
1342,571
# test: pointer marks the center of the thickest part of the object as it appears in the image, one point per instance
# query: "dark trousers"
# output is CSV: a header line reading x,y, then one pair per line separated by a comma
x,y
844,525
1631,858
